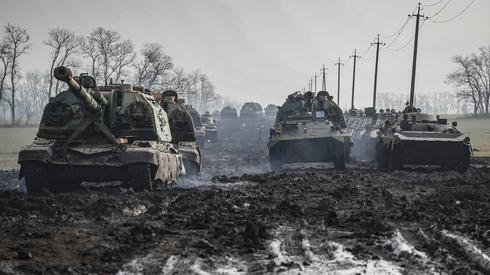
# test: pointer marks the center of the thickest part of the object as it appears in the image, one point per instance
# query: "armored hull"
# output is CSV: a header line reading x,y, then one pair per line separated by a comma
x,y
309,142
47,164
98,134
309,129
423,140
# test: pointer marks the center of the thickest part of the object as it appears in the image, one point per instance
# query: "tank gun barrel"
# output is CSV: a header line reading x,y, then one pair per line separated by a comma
x,y
66,75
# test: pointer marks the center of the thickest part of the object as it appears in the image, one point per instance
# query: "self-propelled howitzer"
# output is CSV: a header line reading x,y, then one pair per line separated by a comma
x,y
98,134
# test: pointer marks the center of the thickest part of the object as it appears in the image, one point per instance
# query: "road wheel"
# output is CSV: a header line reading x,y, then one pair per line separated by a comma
x,y
36,176
140,177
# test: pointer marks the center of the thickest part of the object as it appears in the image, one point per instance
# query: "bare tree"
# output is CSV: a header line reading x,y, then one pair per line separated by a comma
x,y
32,97
17,44
90,50
178,81
152,68
124,56
64,44
473,78
5,58
108,53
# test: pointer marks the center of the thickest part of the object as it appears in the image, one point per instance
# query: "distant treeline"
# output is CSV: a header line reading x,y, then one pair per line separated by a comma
x,y
103,53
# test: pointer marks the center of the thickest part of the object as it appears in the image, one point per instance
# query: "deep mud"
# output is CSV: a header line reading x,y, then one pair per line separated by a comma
x,y
240,219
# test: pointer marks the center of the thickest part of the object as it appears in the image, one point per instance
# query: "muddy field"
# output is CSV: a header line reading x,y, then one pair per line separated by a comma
x,y
238,218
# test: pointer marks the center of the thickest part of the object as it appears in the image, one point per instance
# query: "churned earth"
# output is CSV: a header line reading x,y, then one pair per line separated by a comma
x,y
238,218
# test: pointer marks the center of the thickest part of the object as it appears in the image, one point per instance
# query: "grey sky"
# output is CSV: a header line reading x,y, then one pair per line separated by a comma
x,y
261,50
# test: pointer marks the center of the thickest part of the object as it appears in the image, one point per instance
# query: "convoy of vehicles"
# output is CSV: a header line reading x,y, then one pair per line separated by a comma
x,y
125,133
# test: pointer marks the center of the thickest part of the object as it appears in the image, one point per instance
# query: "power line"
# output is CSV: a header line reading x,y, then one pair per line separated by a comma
x,y
441,9
398,31
431,5
408,42
457,15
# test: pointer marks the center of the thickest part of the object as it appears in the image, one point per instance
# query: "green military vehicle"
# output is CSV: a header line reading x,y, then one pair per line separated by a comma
x,y
99,134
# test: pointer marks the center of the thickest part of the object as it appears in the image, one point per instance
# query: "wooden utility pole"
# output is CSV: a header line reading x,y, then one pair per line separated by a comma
x,y
355,56
377,43
338,80
324,80
315,81
415,45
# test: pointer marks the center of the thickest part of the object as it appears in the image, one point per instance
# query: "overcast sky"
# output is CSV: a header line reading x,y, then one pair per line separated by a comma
x,y
262,50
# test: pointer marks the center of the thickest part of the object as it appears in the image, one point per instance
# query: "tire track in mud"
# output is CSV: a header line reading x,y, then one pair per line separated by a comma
x,y
238,221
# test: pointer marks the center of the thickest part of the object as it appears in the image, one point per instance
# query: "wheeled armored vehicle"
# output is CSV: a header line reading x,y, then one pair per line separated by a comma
x,y
309,128
417,138
270,111
98,134
251,110
229,113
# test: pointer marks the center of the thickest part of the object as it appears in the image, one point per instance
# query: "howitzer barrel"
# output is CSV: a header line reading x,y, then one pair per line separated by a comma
x,y
66,75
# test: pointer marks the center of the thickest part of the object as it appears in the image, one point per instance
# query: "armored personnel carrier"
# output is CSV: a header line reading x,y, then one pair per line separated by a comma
x,y
182,129
251,110
111,133
199,130
309,128
209,124
228,113
270,111
417,138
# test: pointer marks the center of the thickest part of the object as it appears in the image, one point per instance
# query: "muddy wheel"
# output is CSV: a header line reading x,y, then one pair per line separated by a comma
x,y
339,161
36,177
140,177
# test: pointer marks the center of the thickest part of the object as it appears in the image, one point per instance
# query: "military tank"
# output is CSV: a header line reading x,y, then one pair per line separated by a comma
x,y
209,124
251,110
417,138
87,133
199,130
309,128
229,113
270,111
182,129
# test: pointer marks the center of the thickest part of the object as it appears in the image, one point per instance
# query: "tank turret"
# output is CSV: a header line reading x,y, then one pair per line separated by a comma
x,y
95,102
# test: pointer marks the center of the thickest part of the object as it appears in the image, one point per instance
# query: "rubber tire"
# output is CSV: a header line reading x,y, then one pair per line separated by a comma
x,y
35,176
140,177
